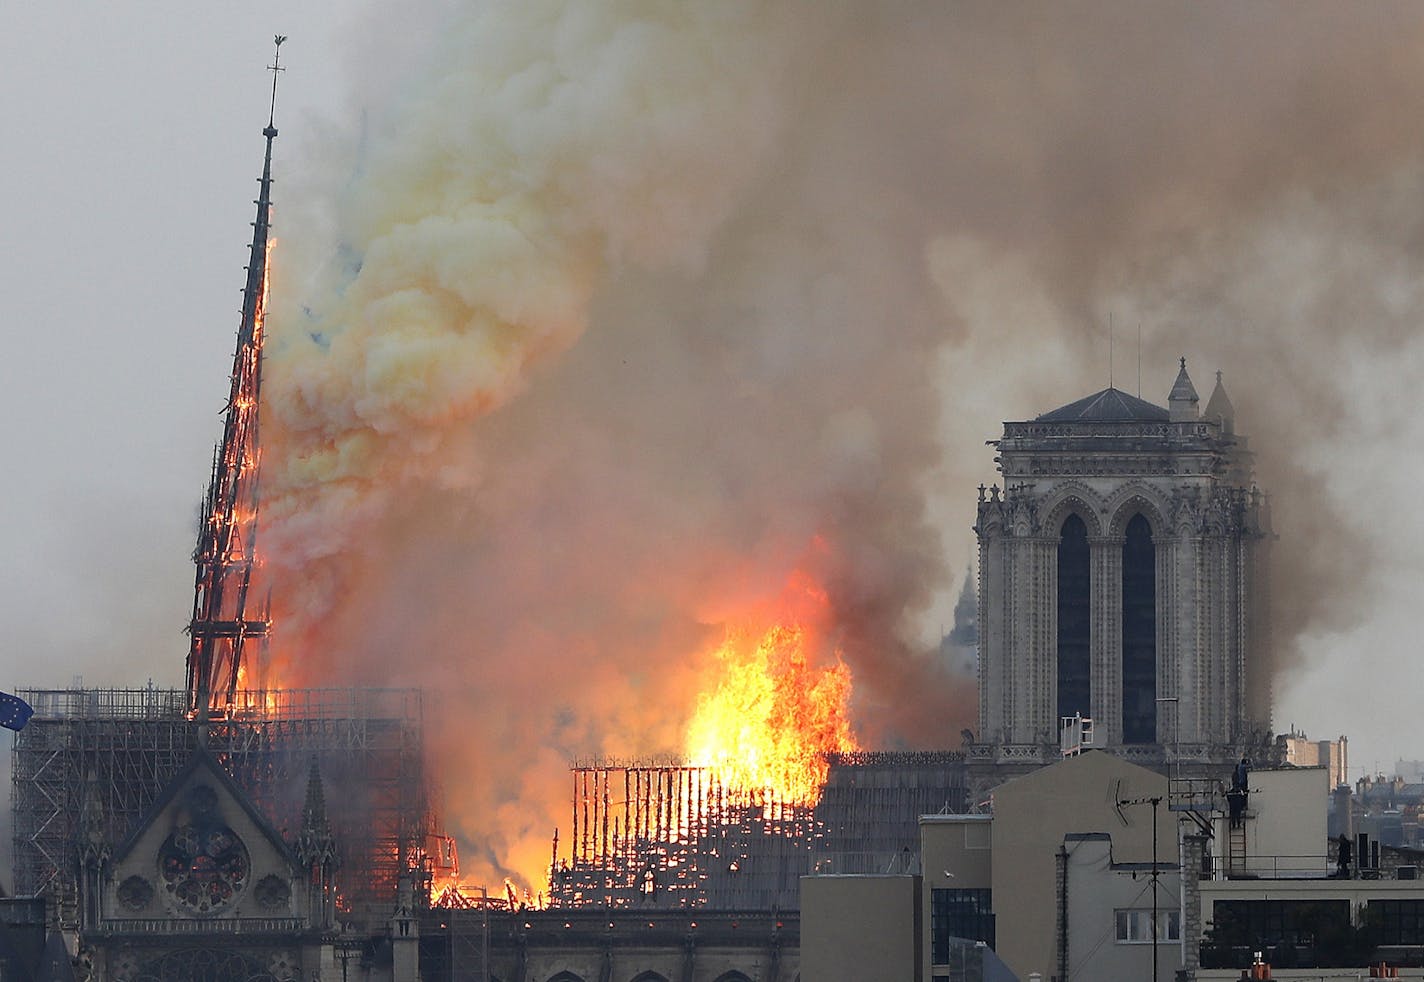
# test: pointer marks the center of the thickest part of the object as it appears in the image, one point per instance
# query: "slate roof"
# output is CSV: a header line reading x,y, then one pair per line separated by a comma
x,y
1109,404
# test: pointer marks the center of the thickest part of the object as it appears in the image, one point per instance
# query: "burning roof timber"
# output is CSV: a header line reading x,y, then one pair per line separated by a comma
x,y
672,835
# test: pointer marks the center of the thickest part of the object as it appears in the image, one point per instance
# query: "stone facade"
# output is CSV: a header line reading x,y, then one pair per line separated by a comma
x,y
204,888
1122,577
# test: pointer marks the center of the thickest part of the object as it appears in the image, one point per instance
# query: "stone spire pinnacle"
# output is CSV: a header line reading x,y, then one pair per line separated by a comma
x,y
1182,403
93,845
315,843
1219,407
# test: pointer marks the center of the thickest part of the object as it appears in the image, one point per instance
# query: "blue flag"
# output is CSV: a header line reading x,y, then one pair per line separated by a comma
x,y
14,712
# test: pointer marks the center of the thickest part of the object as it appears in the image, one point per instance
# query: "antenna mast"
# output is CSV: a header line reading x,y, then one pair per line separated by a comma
x,y
227,531
1110,349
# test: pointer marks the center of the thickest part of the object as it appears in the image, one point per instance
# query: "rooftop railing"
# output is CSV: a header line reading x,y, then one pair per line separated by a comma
x,y
152,703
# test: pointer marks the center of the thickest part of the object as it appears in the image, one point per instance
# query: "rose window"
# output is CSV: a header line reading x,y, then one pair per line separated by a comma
x,y
203,865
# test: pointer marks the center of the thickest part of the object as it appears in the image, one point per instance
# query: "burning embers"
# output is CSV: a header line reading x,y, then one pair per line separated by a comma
x,y
765,727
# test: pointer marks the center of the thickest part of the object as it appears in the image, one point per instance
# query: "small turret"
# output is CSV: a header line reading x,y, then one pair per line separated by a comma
x,y
315,843
1219,408
94,854
1182,403
316,851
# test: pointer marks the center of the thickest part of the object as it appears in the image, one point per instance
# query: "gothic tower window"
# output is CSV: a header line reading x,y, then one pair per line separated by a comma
x,y
1074,649
1139,633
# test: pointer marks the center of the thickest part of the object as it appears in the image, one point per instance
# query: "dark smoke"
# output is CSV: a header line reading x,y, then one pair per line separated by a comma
x,y
939,210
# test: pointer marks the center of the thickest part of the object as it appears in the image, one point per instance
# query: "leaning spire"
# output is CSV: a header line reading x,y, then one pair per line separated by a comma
x,y
225,554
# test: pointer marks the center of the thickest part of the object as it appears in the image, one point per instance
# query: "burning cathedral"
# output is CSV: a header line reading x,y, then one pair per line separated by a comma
x,y
193,834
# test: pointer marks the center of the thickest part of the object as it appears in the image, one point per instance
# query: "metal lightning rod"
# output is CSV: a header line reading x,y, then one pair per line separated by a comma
x,y
274,68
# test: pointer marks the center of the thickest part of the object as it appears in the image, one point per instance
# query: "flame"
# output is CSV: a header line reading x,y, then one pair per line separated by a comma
x,y
774,714
252,701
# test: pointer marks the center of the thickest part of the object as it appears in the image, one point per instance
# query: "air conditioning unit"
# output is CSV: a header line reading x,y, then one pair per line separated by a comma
x,y
1406,873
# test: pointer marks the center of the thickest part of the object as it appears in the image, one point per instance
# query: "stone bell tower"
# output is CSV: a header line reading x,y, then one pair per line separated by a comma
x,y
1122,579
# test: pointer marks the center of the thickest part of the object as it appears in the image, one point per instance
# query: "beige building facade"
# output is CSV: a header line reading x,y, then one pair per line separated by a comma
x,y
866,928
1033,814
1116,919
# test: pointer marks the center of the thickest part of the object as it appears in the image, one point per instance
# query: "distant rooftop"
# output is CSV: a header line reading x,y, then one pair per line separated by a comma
x,y
1109,404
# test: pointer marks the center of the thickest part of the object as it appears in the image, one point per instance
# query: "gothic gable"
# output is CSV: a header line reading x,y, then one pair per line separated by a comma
x,y
202,853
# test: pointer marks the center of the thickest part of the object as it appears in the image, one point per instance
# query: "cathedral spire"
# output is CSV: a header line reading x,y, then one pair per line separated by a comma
x,y
227,531
1182,402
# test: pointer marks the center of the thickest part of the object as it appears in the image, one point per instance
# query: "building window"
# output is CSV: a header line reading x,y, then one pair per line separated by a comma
x,y
967,914
1397,922
1074,613
1255,924
1135,926
1139,634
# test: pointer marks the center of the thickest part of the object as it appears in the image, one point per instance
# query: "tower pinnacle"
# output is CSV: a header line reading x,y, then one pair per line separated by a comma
x,y
1182,402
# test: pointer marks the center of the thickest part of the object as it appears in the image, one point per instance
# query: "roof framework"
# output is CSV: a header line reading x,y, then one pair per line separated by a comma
x,y
672,835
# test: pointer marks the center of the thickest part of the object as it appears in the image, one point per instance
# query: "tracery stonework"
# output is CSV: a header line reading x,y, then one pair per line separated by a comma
x,y
1172,612
203,864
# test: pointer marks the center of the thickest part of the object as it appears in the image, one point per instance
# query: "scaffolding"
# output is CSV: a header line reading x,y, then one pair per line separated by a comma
x,y
673,835
126,744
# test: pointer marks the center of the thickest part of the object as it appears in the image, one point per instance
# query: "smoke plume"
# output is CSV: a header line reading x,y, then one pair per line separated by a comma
x,y
607,317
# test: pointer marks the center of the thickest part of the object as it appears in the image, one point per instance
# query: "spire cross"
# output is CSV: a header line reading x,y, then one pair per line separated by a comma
x,y
274,68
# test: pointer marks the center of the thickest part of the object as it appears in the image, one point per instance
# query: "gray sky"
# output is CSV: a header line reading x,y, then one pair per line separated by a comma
x,y
131,161
131,151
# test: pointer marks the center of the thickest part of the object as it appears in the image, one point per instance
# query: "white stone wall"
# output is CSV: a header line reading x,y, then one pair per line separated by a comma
x,y
1206,531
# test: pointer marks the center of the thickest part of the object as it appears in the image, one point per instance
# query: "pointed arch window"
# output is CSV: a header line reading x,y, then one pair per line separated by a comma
x,y
1139,633
1074,637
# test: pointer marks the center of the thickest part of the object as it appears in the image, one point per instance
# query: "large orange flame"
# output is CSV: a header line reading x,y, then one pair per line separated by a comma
x,y
765,727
